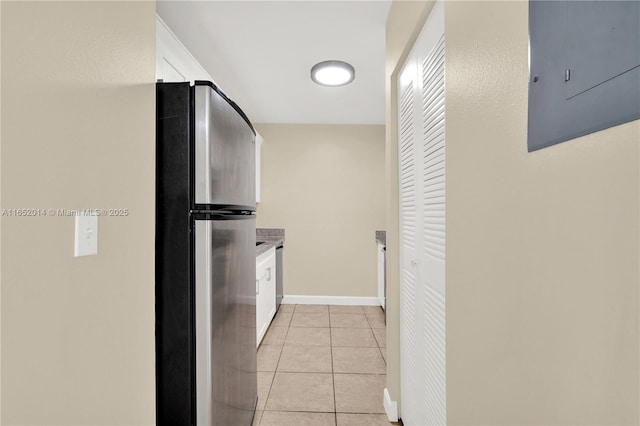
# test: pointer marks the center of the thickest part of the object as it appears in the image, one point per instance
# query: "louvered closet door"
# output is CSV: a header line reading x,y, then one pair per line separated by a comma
x,y
408,131
422,227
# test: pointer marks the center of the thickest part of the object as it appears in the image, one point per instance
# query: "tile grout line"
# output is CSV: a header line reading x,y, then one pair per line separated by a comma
x,y
378,343
278,363
333,377
276,368
379,348
289,326
376,338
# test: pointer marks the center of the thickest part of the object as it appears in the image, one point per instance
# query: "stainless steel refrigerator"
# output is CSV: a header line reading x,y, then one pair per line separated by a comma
x,y
205,258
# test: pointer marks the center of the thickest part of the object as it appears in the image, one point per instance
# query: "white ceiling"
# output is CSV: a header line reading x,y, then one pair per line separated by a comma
x,y
261,53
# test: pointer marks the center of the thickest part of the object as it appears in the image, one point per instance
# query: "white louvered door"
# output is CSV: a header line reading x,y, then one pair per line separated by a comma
x,y
421,148
408,179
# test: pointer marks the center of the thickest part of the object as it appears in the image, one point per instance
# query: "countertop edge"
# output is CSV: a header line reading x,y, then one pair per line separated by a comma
x,y
267,243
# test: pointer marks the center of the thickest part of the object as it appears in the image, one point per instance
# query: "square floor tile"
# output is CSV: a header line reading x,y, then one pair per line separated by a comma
x,y
275,336
305,359
308,337
349,320
282,319
303,392
381,336
357,360
286,308
358,337
268,357
297,418
345,309
363,420
376,321
256,418
310,319
311,308
358,393
264,385
373,310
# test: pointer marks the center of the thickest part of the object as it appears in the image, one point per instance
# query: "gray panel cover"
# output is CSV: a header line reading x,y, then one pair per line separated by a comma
x,y
603,42
599,44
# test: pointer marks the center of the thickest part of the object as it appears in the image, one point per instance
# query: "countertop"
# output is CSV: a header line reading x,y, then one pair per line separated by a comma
x,y
269,237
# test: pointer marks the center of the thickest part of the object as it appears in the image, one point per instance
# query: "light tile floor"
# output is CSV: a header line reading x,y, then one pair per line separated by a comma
x,y
322,365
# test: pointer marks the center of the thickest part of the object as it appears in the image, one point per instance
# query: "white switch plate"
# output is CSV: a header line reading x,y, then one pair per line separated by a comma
x,y
86,241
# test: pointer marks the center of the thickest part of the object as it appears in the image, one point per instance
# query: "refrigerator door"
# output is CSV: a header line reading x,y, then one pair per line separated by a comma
x,y
225,305
224,152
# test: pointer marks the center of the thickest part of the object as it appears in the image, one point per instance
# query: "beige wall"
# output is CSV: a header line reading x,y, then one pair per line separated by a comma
x,y
78,113
404,22
542,248
0,215
325,185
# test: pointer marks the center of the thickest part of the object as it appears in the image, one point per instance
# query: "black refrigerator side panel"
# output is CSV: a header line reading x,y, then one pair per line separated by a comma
x,y
175,344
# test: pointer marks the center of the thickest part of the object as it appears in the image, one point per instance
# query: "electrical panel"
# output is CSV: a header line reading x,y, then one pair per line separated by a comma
x,y
584,68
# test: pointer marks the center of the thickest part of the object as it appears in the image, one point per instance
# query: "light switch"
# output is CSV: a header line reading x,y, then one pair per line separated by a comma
x,y
86,241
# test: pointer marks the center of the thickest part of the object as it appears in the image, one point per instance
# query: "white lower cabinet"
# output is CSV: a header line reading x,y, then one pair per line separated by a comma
x,y
265,291
381,276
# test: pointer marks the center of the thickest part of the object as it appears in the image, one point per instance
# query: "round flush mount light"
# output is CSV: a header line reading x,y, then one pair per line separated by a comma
x,y
332,73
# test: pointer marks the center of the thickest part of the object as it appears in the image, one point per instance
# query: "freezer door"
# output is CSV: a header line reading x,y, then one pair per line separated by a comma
x,y
224,152
225,305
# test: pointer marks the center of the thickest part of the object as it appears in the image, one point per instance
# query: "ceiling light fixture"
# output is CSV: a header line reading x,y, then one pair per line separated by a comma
x,y
333,73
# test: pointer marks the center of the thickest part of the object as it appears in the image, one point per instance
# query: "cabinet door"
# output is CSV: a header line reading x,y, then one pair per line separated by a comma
x,y
270,285
265,293
174,62
259,141
261,303
381,276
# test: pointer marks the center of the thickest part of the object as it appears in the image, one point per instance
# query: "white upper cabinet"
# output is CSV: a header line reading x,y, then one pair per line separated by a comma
x,y
174,62
259,141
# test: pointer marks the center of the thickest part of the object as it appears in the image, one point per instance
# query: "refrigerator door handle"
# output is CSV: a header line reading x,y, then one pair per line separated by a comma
x,y
204,321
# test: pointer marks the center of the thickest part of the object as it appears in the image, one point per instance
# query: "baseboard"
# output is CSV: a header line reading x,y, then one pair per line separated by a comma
x,y
390,407
329,300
